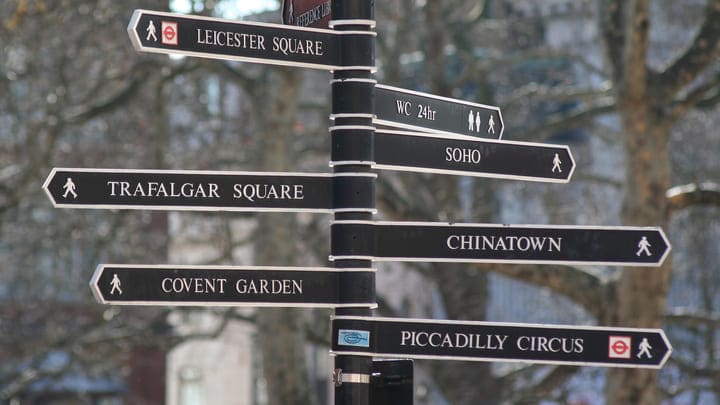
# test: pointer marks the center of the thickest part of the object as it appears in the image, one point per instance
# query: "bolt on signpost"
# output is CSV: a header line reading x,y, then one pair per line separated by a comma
x,y
439,135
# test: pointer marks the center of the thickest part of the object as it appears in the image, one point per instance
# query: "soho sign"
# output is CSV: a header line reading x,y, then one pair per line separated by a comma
x,y
462,155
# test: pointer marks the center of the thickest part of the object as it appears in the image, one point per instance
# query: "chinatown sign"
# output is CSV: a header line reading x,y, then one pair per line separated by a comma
x,y
498,243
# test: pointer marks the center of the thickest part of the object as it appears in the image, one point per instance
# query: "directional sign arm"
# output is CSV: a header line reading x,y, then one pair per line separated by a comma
x,y
231,286
275,44
468,156
207,190
513,342
397,107
495,243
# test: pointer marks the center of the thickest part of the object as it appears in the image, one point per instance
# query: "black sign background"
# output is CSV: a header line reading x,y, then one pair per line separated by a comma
x,y
386,339
449,115
94,191
333,56
428,241
501,159
142,285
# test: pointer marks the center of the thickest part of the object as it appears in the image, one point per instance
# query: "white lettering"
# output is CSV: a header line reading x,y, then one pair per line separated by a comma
x,y
231,39
292,46
269,286
504,243
550,345
252,192
195,285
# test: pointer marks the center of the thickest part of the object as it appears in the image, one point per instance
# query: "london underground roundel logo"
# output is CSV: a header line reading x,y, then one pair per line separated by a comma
x,y
169,33
619,347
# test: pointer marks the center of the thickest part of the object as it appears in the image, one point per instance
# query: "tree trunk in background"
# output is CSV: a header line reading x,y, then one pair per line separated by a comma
x,y
280,335
641,292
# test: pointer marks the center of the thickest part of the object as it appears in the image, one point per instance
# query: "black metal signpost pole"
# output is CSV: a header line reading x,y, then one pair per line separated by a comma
x,y
352,151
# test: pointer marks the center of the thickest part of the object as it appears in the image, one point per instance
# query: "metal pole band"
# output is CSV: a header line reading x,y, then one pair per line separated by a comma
x,y
340,378
354,23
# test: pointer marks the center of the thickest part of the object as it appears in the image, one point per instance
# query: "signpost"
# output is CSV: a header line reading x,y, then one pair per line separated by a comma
x,y
409,109
118,284
470,156
512,342
275,44
494,243
207,190
457,137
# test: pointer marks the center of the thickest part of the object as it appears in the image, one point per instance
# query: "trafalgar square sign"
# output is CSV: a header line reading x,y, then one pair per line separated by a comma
x,y
188,190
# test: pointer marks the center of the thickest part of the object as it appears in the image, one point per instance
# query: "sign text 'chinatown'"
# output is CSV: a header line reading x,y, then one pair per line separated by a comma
x,y
496,243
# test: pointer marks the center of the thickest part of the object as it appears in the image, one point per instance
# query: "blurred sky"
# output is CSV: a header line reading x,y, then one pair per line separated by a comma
x,y
228,8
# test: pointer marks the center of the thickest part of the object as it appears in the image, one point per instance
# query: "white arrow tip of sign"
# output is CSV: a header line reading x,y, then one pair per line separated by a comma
x,y
669,346
131,29
94,283
46,186
669,247
572,160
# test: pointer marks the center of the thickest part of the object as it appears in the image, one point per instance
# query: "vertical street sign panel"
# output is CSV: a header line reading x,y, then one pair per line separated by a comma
x,y
118,284
397,107
206,190
513,342
276,44
468,156
307,13
495,243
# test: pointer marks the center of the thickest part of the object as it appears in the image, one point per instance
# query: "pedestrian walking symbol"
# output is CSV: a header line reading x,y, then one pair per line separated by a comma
x,y
491,125
115,283
69,188
556,164
643,246
151,32
644,349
